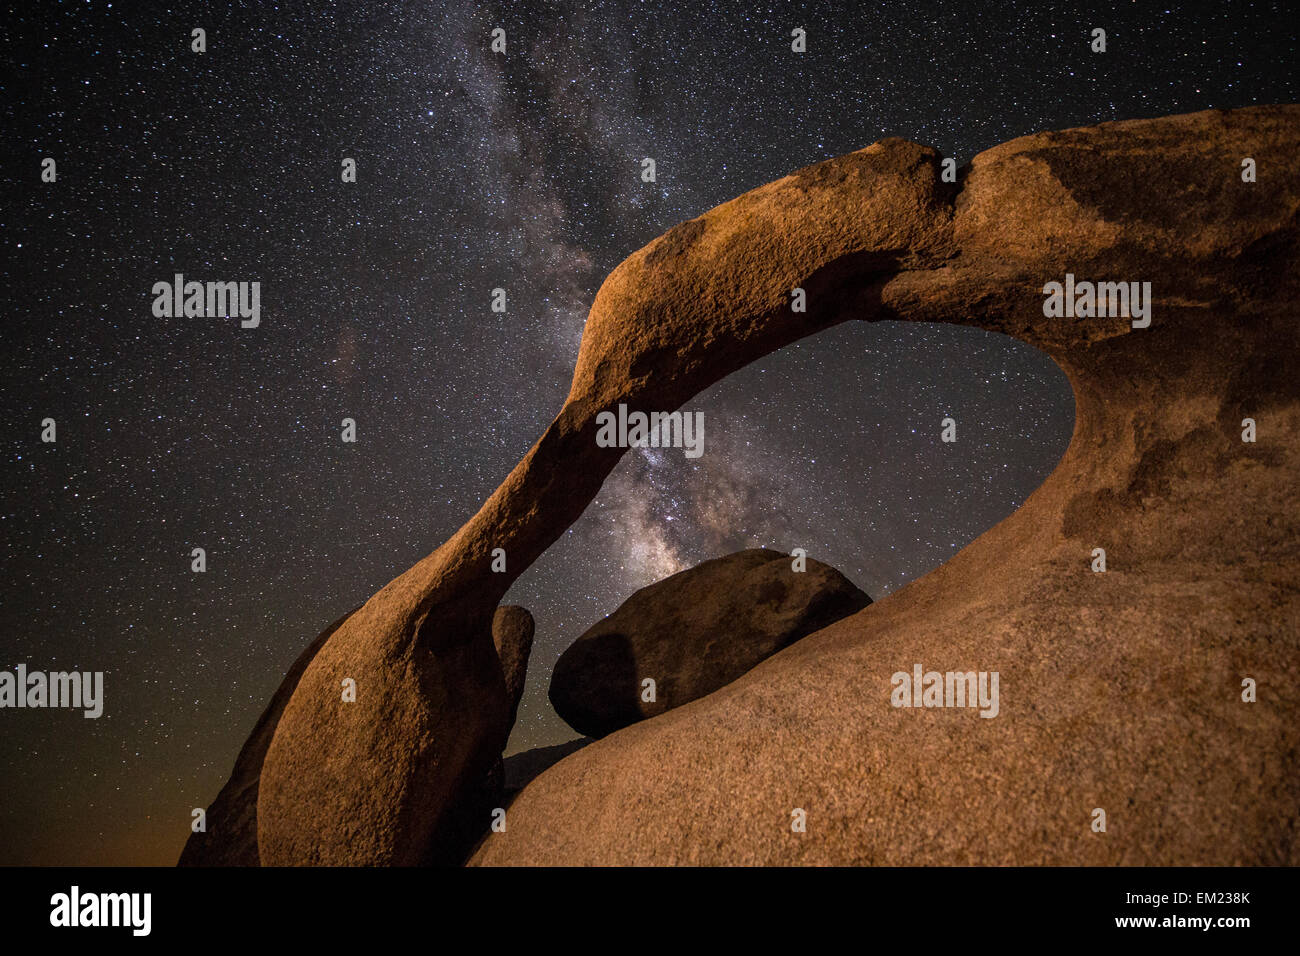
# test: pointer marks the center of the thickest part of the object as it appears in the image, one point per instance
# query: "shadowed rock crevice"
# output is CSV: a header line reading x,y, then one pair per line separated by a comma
x,y
521,768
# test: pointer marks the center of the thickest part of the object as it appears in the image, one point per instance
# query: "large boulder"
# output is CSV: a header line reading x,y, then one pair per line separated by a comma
x,y
694,632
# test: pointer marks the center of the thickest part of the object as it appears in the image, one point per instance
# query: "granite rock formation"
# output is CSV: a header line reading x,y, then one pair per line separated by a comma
x,y
230,837
692,633
512,637
1120,690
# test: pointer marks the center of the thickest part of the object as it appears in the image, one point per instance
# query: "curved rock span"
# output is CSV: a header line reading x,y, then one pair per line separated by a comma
x,y
1120,691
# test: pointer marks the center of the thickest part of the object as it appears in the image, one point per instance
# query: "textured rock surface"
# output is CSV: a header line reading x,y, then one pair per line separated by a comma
x,y
693,632
231,835
1119,690
512,636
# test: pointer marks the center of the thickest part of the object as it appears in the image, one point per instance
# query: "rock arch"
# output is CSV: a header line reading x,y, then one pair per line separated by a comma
x,y
1119,687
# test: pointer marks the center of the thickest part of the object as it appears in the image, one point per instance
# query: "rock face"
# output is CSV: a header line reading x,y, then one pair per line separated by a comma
x,y
231,835
512,636
692,633
471,814
1120,690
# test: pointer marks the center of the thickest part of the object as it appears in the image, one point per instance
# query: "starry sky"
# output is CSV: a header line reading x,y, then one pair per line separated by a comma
x,y
476,170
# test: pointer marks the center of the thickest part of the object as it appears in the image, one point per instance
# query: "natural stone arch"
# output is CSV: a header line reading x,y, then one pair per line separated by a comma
x,y
871,234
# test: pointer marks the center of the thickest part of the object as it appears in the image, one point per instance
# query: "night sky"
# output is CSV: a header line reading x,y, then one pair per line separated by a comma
x,y
475,170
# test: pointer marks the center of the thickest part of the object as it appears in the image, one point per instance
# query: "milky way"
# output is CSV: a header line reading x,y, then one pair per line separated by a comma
x,y
475,171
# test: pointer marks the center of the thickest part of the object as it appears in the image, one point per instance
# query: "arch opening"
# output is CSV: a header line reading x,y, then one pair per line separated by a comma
x,y
833,444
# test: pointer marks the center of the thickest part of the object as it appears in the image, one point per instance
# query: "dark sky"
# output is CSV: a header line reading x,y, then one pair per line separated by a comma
x,y
475,170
